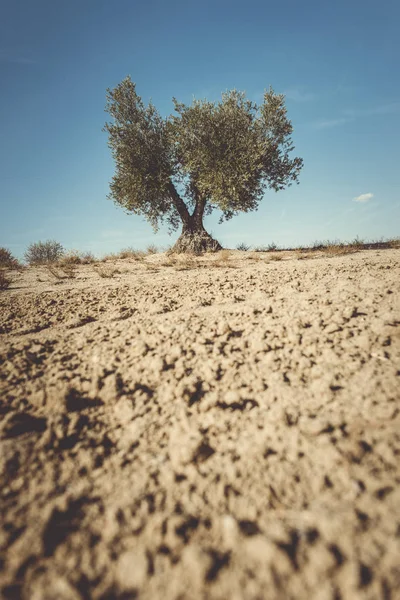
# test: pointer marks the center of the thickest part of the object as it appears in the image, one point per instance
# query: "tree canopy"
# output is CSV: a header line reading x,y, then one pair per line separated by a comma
x,y
208,155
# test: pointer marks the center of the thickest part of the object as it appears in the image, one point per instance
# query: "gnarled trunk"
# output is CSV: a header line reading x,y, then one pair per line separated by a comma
x,y
194,238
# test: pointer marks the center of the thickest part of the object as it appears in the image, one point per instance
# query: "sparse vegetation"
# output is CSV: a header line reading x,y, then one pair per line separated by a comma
x,y
269,248
75,257
223,259
110,256
243,247
276,257
62,271
105,272
131,253
7,260
40,253
5,280
152,249
185,263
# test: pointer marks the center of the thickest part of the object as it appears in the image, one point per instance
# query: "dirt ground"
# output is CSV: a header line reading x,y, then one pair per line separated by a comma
x,y
204,428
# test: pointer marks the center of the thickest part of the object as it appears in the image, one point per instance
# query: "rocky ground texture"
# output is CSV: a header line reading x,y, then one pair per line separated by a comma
x,y
202,428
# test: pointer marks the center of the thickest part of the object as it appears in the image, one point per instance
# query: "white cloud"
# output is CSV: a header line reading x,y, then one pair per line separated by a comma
x,y
363,197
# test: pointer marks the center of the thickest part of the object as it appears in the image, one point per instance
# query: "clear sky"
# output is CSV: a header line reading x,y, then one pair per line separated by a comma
x,y
336,61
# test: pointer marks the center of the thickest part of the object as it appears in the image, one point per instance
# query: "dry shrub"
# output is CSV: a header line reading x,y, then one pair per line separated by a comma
x,y
243,247
5,281
269,248
276,257
394,243
304,255
105,272
75,257
253,256
339,249
111,256
72,257
131,253
170,261
151,267
185,263
152,249
224,254
223,260
40,253
62,271
8,260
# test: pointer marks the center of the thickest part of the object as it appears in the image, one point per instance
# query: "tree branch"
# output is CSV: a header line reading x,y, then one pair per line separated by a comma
x,y
178,203
200,205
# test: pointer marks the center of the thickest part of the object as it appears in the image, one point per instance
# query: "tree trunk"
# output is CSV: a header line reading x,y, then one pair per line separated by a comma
x,y
194,238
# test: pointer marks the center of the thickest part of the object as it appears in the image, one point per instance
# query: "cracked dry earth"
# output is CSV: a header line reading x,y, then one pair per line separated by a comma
x,y
221,432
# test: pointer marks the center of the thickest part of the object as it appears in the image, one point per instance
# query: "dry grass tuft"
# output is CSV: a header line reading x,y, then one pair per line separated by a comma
x,y
5,281
185,262
74,257
111,256
105,272
275,257
170,261
62,271
223,260
304,255
131,253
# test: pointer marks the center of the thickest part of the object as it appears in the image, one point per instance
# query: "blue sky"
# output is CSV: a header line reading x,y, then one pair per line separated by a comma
x,y
337,62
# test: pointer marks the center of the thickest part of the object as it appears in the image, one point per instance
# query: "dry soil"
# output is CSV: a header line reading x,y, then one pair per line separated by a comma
x,y
204,428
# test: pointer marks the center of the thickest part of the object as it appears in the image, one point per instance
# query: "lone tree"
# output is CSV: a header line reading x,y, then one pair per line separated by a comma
x,y
206,156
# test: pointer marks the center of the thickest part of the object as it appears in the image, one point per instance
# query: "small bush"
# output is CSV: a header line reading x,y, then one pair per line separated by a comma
x,y
317,245
110,256
243,247
185,262
152,249
87,258
223,260
62,271
224,254
276,257
74,257
131,253
106,272
5,281
41,253
357,242
8,260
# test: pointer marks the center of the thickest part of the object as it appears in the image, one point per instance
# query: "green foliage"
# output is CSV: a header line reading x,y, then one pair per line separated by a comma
x,y
44,252
206,156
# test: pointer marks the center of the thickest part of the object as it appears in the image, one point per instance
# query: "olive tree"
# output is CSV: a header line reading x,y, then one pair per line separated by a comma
x,y
208,155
